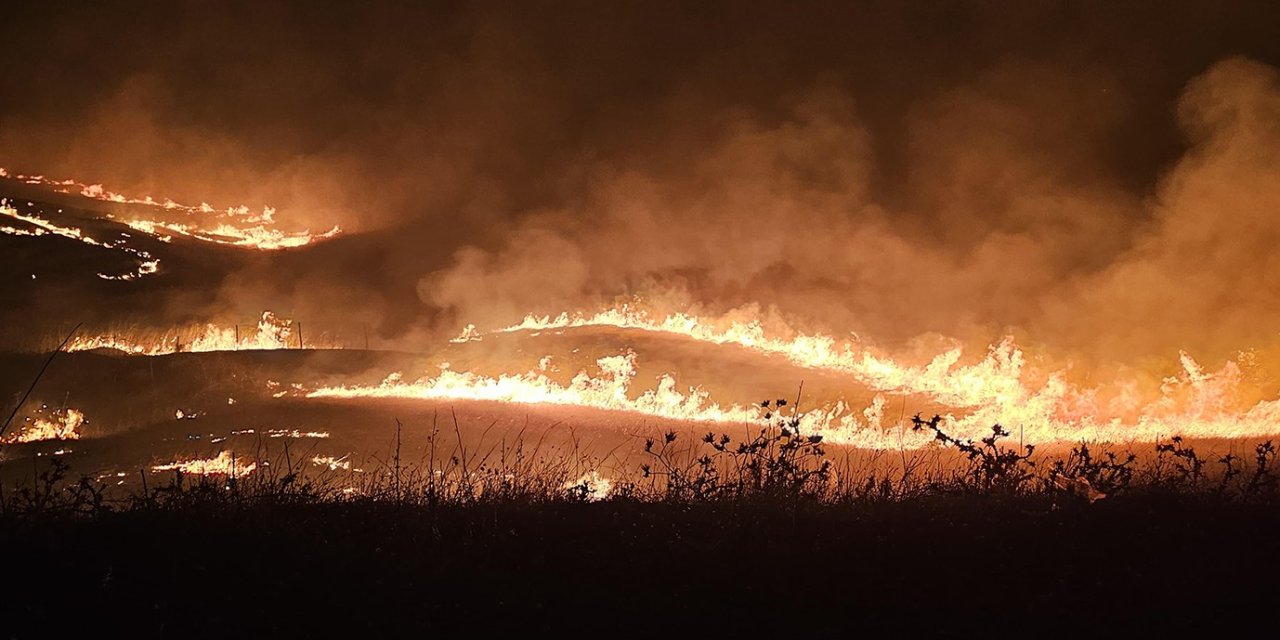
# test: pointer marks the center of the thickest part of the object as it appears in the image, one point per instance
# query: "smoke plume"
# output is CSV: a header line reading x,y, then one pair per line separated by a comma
x,y
1099,180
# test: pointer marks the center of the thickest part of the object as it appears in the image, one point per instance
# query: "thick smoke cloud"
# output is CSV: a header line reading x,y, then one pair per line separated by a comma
x,y
1203,272
1097,179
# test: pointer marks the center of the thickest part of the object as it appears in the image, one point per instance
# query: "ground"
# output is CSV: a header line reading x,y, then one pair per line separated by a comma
x,y
947,565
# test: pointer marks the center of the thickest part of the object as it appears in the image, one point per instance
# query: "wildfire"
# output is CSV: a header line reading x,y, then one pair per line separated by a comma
x,y
253,236
608,390
998,389
235,226
60,424
224,464
147,264
272,332
997,378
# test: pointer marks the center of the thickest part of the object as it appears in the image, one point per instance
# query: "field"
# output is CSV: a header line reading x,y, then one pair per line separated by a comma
x,y
278,561
174,471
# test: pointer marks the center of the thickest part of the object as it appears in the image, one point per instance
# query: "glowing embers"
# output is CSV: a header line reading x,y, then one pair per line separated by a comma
x,y
49,424
234,226
224,464
272,332
147,264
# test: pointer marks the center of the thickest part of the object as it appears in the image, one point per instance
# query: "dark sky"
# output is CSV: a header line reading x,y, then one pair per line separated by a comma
x,y
514,92
894,168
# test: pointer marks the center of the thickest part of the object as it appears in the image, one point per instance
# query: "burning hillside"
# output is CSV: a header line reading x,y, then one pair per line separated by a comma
x,y
852,400
968,259
548,314
234,226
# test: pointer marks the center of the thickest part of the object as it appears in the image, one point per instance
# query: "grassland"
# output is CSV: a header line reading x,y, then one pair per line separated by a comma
x,y
742,537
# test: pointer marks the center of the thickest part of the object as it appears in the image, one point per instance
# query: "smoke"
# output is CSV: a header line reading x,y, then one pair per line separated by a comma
x,y
1012,223
1098,180
1202,274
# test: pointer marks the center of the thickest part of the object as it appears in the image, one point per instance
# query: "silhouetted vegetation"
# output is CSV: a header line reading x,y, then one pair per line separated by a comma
x,y
716,533
778,465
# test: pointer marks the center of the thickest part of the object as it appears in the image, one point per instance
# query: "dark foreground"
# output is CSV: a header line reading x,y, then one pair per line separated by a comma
x,y
950,565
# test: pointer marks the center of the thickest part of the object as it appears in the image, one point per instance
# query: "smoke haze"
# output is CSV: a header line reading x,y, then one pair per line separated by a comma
x,y
1101,179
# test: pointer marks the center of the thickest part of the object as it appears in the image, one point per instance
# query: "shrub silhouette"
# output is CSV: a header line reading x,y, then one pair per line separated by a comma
x,y
992,467
1093,477
778,462
51,494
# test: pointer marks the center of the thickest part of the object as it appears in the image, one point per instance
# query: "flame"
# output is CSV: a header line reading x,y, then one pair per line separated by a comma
x,y
61,424
998,389
295,434
224,464
332,463
995,379
608,391
234,226
273,332
251,237
594,486
147,264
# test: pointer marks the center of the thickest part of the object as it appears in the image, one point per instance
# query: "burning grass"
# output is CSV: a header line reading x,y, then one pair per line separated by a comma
x,y
49,424
271,332
163,218
776,532
36,226
779,463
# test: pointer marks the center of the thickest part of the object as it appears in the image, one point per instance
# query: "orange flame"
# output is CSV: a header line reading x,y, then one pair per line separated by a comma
x,y
608,390
273,332
332,463
147,264
593,486
239,227
61,424
997,389
224,464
